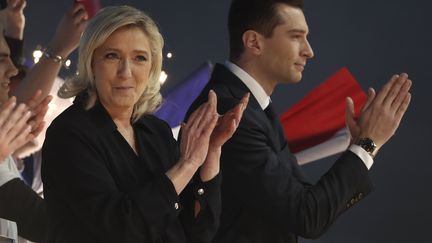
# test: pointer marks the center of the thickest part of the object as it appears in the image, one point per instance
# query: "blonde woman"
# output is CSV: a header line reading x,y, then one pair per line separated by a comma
x,y
112,172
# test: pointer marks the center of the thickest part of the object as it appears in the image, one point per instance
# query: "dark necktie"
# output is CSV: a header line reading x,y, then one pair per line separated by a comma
x,y
274,120
271,114
28,172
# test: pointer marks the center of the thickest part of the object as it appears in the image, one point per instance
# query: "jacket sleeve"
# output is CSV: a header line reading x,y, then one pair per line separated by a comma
x,y
268,184
203,227
77,179
21,204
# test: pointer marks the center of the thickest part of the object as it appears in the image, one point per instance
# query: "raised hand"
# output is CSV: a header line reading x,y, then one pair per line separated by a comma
x,y
225,128
195,134
383,112
351,121
194,144
37,109
14,130
69,30
15,19
228,123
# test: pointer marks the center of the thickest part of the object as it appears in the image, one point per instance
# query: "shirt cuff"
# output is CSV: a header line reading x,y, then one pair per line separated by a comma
x,y
6,173
362,154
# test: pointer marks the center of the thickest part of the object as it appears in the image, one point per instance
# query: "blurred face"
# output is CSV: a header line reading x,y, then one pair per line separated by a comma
x,y
121,66
285,53
7,70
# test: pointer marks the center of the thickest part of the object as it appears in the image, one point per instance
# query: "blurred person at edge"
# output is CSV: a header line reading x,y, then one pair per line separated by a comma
x,y
42,76
25,207
19,124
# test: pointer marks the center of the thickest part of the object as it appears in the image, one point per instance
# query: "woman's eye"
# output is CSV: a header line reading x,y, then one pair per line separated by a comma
x,y
111,56
141,58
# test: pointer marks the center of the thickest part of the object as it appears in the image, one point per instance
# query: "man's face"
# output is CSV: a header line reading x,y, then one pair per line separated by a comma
x,y
7,70
285,53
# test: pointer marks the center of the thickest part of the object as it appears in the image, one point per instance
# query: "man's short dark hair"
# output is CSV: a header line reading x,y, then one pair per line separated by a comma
x,y
258,15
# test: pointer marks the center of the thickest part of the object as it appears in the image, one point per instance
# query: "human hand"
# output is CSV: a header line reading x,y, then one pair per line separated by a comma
x,y
195,134
15,19
227,124
350,120
225,128
69,30
38,111
383,112
14,130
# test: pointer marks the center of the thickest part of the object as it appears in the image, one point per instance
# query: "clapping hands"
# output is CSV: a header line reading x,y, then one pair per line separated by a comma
x,y
382,113
20,124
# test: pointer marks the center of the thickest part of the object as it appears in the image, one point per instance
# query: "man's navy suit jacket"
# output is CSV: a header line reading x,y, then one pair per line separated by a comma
x,y
265,196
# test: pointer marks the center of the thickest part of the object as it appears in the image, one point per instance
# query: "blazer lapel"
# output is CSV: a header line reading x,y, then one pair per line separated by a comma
x,y
238,89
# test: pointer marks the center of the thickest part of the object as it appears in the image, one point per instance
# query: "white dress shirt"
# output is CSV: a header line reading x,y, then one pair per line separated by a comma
x,y
264,100
8,171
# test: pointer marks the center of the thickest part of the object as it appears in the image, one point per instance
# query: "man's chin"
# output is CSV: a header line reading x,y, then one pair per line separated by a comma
x,y
293,79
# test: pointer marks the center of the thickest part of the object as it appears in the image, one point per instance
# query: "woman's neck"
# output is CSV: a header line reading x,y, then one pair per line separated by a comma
x,y
122,119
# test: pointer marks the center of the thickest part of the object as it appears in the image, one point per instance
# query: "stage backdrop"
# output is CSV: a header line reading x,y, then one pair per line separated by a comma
x,y
373,39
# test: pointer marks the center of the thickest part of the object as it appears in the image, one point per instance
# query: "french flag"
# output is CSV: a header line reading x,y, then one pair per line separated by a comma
x,y
178,100
314,127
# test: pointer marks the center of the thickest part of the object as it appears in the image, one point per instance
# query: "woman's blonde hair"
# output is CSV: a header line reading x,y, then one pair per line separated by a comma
x,y
108,20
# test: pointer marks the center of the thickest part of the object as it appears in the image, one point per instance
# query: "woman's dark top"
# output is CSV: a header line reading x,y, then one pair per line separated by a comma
x,y
98,190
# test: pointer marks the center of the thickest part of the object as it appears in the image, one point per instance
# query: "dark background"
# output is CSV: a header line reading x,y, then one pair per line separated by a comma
x,y
374,39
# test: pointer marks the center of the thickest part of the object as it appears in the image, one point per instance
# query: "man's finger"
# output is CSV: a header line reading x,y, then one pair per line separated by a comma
x,y
401,95
403,107
385,89
349,113
395,89
371,97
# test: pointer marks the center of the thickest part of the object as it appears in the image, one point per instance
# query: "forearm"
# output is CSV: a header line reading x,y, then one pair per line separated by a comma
x,y
26,208
344,185
269,184
180,174
211,166
41,76
201,226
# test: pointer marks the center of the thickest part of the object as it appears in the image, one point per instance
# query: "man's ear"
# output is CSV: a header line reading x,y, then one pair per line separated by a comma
x,y
252,42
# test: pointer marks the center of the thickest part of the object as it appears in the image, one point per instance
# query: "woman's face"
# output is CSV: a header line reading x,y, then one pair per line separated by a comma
x,y
121,67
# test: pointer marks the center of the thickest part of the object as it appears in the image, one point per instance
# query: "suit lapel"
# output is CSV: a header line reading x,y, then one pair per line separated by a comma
x,y
238,89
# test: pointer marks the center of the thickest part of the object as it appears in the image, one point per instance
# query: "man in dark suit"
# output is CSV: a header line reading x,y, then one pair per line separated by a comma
x,y
265,196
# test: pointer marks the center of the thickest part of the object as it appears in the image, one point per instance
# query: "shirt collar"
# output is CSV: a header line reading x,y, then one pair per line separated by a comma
x,y
256,89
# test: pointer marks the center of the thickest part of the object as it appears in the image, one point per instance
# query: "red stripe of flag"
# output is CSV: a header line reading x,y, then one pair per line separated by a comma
x,y
319,115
